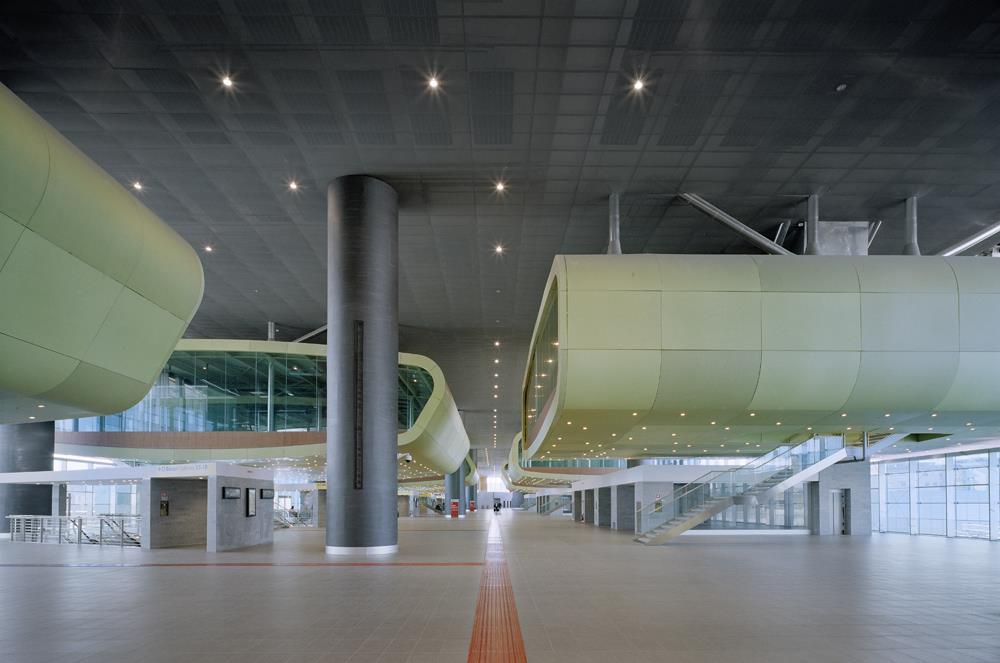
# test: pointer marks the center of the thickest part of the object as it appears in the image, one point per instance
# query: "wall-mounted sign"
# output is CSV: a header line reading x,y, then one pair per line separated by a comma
x,y
267,493
231,493
251,502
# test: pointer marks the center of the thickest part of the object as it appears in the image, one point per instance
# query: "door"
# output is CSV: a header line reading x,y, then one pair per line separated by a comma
x,y
841,511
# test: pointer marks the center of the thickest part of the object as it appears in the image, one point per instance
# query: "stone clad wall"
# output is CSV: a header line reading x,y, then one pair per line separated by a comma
x,y
233,529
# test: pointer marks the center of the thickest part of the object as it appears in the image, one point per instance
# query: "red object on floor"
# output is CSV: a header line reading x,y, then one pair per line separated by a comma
x,y
472,506
454,508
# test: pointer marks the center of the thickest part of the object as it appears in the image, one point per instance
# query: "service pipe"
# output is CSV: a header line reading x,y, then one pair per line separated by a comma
x,y
741,228
614,228
812,225
911,247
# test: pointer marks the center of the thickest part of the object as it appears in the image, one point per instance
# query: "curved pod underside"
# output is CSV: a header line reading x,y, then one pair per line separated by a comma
x,y
97,289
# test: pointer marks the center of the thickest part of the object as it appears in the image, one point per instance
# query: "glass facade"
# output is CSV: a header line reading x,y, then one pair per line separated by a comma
x,y
542,367
954,495
786,510
244,391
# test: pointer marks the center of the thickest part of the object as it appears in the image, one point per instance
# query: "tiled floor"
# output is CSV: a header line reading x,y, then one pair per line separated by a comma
x,y
582,595
585,594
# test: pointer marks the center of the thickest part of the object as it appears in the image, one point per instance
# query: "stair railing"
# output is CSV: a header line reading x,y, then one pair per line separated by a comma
x,y
708,489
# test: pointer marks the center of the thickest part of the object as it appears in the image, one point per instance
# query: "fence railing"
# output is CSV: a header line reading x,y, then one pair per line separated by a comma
x,y
108,530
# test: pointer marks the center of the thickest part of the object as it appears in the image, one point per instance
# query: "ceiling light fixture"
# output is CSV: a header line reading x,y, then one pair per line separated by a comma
x,y
500,186
293,185
227,81
433,83
638,84
208,249
137,186
498,249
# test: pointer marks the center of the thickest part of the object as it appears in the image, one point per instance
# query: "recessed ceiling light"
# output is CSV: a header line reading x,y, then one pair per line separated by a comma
x,y
208,249
227,81
433,83
841,87
933,414
498,249
32,417
137,186
638,84
500,186
293,185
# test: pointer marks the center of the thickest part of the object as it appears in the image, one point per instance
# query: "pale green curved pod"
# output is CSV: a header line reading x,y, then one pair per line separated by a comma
x,y
526,479
472,476
96,290
438,435
653,349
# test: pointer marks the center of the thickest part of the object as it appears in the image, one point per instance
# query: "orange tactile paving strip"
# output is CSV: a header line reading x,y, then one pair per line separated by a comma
x,y
496,633
100,565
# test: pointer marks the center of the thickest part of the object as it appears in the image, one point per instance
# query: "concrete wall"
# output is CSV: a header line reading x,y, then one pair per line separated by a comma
x,y
853,476
186,523
233,529
625,507
603,515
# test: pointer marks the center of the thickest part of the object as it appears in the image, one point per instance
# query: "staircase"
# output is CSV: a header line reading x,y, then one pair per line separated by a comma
x,y
757,481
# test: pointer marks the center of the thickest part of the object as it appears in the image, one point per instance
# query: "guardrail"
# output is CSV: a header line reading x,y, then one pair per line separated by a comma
x,y
108,530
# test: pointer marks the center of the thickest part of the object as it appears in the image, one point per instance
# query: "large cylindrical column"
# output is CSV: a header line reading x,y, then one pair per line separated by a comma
x,y
471,495
362,359
452,488
25,448
463,494
516,499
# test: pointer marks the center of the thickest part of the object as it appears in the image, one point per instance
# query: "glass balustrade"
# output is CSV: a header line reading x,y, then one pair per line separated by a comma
x,y
715,491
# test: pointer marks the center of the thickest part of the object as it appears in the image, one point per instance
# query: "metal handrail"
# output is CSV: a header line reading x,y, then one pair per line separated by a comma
x,y
778,454
117,530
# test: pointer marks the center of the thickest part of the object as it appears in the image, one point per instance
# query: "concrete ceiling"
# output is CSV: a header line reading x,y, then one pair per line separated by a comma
x,y
753,104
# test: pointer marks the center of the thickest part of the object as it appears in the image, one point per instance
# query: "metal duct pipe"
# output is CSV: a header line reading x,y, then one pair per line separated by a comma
x,y
812,225
614,240
971,241
911,248
741,228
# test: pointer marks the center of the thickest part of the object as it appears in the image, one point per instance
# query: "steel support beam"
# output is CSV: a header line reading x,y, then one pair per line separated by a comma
x,y
779,237
873,229
971,241
315,332
741,228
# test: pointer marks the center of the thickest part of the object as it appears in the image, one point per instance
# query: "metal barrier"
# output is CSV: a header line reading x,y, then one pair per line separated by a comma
x,y
109,530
